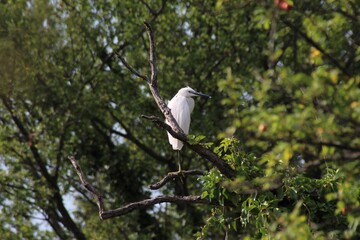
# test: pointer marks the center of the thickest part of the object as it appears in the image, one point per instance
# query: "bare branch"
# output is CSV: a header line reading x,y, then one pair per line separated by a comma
x,y
172,175
223,167
131,69
83,192
174,128
153,83
151,202
152,55
88,186
131,206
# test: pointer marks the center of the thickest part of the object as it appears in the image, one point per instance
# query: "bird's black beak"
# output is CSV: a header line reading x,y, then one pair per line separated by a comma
x,y
200,94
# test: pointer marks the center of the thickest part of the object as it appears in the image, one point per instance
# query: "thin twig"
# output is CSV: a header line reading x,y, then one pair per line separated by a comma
x,y
88,186
131,69
152,55
172,175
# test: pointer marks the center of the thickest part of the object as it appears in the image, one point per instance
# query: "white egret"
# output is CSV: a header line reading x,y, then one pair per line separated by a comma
x,y
181,106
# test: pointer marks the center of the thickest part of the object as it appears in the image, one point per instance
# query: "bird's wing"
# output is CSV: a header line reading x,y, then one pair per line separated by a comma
x,y
181,112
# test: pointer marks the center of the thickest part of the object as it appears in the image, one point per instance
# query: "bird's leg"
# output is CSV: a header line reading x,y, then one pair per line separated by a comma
x,y
182,175
179,164
179,160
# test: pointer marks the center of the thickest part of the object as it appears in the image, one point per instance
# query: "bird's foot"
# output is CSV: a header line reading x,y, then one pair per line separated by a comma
x,y
180,174
176,173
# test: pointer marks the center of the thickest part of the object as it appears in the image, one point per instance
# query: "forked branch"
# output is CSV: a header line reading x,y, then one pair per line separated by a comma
x,y
151,202
152,80
130,68
131,206
172,175
88,186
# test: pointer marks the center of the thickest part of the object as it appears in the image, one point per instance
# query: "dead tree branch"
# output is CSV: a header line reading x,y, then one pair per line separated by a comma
x,y
223,167
130,68
131,206
88,186
152,55
151,202
152,80
174,128
154,86
172,175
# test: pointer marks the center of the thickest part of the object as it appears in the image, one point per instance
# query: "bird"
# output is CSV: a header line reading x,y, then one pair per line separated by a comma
x,y
181,106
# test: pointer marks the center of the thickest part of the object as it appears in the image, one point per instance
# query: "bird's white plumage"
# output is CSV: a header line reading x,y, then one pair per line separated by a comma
x,y
181,106
181,111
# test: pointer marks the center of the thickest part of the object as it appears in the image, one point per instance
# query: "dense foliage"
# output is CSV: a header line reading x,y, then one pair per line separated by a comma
x,y
284,113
